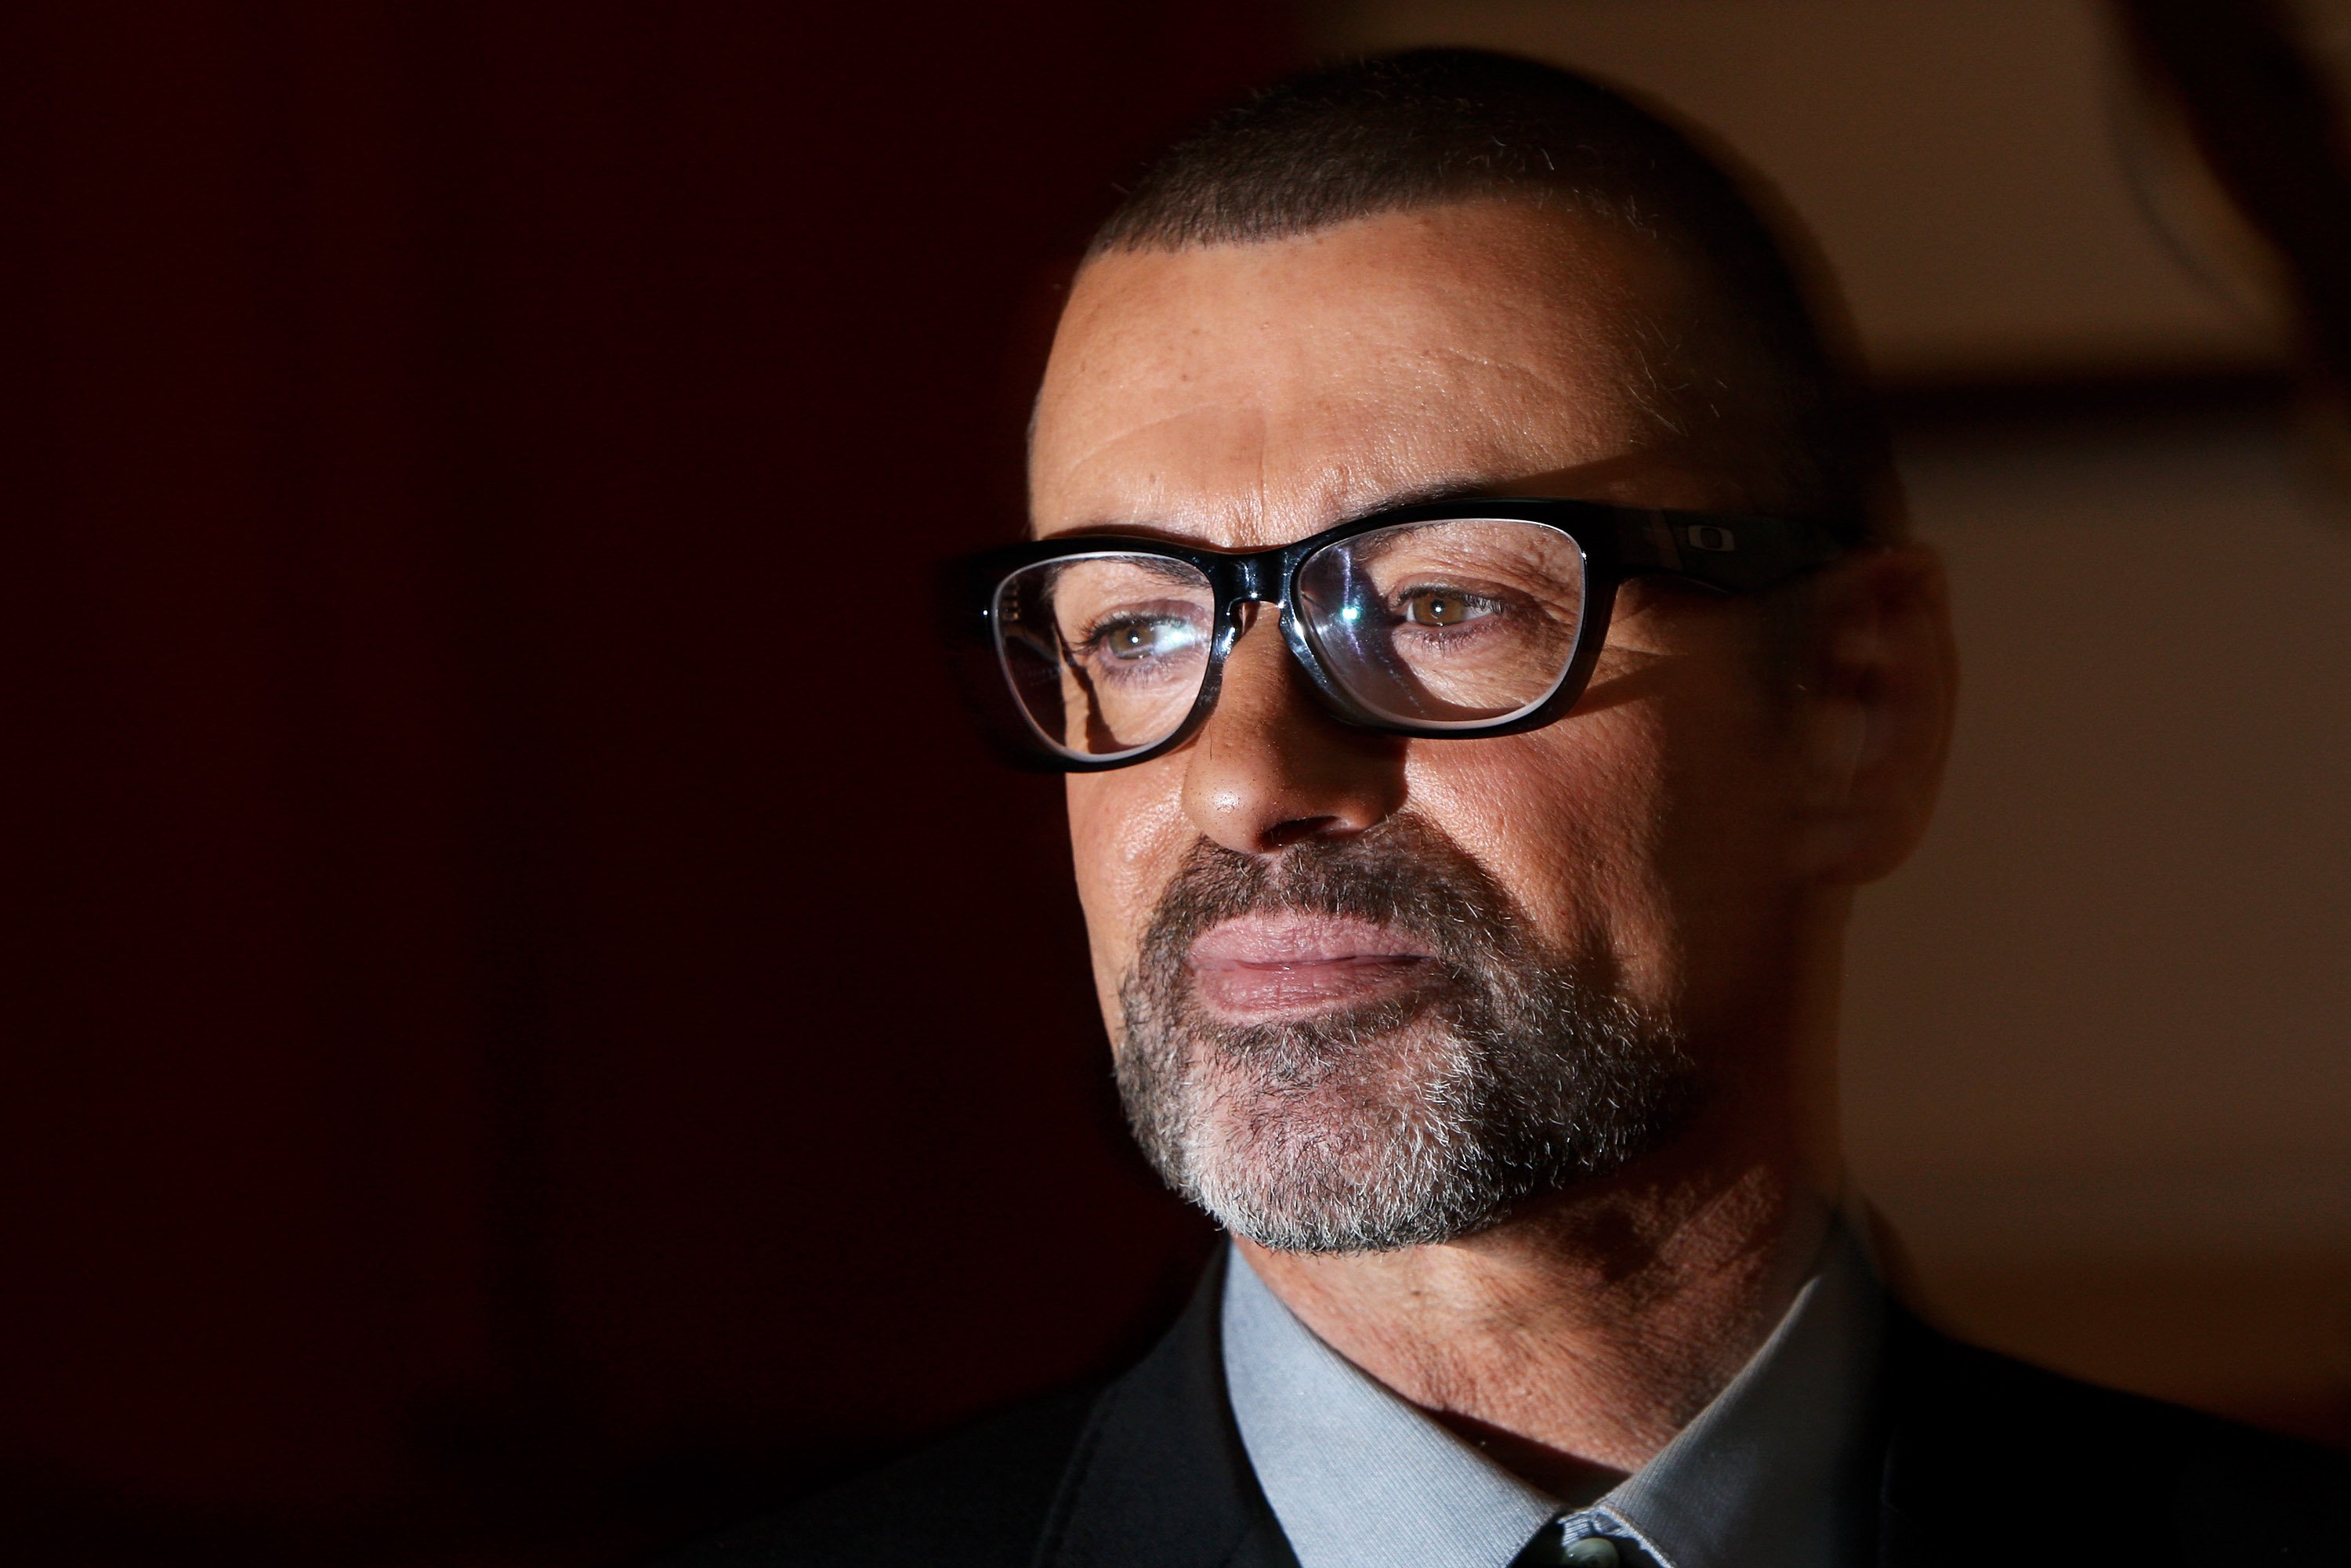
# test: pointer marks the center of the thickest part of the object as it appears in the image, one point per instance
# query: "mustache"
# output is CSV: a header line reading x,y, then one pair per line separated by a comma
x,y
1405,872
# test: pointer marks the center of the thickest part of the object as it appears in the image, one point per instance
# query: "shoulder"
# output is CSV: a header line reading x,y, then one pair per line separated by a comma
x,y
2001,1445
1147,1469
980,1497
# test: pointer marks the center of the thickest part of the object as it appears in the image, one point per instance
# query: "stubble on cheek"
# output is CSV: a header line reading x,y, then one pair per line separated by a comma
x,y
1573,819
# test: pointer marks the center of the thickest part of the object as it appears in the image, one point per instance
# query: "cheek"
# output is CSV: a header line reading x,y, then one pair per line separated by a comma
x,y
1571,819
1127,835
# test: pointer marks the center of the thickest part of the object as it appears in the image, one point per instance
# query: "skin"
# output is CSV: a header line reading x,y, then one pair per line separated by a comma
x,y
1695,822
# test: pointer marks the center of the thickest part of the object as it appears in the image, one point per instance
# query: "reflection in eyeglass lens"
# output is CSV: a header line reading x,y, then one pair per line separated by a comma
x,y
1461,620
1106,652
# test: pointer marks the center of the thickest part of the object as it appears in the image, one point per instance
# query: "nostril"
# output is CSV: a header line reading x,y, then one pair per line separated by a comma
x,y
1298,830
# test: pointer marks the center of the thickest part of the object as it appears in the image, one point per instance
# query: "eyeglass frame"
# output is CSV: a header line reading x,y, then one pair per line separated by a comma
x,y
1729,552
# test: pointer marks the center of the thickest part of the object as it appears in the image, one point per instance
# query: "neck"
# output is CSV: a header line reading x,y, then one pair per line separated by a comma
x,y
1573,1340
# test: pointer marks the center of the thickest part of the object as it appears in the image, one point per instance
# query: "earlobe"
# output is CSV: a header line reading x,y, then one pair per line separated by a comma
x,y
1874,714
1849,741
1831,727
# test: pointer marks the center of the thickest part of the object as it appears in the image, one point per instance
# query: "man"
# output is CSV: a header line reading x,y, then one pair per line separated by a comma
x,y
1467,599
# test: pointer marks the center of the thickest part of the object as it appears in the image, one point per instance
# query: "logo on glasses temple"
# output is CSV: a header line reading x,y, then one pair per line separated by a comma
x,y
1710,536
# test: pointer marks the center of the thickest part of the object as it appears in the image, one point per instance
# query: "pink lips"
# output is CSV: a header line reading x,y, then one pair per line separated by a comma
x,y
1261,968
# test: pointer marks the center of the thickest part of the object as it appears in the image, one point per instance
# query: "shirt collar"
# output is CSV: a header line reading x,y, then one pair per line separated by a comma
x,y
1764,1476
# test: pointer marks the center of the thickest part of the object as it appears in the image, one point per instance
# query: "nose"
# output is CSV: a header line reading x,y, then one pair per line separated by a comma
x,y
1272,766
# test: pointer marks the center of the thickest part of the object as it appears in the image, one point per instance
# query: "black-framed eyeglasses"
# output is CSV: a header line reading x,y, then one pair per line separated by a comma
x,y
1450,619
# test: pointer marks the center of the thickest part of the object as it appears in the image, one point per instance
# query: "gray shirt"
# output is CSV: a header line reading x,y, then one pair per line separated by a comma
x,y
1774,1473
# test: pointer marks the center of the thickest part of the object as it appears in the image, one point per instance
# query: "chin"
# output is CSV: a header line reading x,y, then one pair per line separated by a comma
x,y
1303,1148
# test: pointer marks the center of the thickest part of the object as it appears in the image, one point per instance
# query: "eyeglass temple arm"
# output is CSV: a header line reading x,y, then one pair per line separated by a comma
x,y
1735,553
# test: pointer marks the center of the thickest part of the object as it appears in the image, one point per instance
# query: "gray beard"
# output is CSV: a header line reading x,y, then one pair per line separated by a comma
x,y
1421,1118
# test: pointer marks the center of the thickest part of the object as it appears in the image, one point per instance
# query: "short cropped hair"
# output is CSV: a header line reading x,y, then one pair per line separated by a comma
x,y
1429,127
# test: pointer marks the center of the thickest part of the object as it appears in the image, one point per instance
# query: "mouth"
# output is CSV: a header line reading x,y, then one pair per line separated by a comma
x,y
1267,969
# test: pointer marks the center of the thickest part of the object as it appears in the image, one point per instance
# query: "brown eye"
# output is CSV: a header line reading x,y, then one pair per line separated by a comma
x,y
1138,638
1444,607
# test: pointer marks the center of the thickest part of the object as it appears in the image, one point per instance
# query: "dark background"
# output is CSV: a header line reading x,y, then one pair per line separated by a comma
x,y
528,1027
533,1026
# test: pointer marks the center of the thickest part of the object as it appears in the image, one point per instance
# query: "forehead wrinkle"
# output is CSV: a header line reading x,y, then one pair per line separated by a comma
x,y
1562,372
1130,432
1568,356
1509,416
1145,492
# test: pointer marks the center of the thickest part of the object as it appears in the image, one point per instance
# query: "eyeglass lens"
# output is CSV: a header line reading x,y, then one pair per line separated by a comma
x,y
1460,622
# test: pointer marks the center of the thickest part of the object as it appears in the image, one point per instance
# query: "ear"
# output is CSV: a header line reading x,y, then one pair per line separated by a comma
x,y
1873,713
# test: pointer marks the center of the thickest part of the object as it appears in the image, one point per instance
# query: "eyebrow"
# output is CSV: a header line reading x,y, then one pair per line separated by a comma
x,y
1460,488
1452,488
1449,489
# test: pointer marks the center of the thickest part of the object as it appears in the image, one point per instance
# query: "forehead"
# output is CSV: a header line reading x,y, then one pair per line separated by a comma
x,y
1245,395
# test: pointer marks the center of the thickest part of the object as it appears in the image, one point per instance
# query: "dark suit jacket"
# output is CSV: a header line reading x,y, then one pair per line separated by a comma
x,y
1987,1460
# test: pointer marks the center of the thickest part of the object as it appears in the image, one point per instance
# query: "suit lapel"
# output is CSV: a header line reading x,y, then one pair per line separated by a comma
x,y
1984,1455
1159,1479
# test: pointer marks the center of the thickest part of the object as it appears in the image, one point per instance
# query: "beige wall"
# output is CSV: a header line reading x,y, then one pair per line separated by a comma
x,y
2100,1030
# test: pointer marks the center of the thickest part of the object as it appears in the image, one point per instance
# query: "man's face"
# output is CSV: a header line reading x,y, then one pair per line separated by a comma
x,y
1331,958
